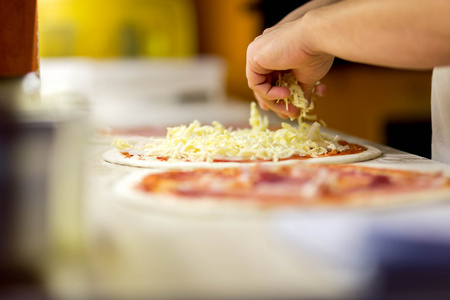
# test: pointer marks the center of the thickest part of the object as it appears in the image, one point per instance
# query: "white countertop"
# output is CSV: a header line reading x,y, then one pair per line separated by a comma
x,y
138,251
135,252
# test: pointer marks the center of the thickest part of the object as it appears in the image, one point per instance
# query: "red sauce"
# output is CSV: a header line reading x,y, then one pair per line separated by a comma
x,y
126,154
353,149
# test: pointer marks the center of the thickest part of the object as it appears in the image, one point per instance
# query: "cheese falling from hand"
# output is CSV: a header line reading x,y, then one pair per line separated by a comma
x,y
196,142
297,97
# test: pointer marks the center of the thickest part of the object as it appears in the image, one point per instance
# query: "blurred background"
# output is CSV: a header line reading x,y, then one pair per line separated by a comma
x,y
382,105
110,59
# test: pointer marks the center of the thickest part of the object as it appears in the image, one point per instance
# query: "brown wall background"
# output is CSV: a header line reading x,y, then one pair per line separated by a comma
x,y
226,28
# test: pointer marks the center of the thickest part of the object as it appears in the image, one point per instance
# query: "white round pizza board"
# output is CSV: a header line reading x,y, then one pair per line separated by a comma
x,y
114,156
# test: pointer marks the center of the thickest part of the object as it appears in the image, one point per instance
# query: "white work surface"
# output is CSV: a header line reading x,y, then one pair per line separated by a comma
x,y
139,251
142,252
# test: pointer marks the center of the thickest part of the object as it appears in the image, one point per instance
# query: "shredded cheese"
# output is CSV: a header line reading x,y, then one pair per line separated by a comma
x,y
121,144
197,142
297,97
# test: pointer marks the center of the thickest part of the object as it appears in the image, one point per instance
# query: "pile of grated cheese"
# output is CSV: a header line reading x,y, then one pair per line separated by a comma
x,y
297,97
196,142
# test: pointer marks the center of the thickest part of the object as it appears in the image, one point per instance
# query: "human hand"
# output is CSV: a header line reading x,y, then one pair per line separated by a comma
x,y
283,48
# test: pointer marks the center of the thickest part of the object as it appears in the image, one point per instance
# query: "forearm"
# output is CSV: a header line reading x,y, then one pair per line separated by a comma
x,y
395,33
302,10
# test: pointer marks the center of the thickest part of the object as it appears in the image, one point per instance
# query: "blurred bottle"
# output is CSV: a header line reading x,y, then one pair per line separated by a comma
x,y
20,269
108,28
40,171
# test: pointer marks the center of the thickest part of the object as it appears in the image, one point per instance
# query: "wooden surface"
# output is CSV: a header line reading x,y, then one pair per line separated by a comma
x,y
18,37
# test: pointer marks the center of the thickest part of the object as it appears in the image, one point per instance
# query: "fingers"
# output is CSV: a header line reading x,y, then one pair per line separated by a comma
x,y
261,103
264,86
267,93
263,81
267,57
278,107
272,92
320,89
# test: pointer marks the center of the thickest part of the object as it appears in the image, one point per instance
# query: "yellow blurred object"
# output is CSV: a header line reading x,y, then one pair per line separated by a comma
x,y
108,28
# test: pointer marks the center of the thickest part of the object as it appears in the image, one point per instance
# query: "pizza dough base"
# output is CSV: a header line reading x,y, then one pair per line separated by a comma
x,y
114,156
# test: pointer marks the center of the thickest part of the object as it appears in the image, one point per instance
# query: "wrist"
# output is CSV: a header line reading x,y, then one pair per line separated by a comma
x,y
308,30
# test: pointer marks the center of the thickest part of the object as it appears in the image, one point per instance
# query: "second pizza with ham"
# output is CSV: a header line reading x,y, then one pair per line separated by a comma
x,y
294,186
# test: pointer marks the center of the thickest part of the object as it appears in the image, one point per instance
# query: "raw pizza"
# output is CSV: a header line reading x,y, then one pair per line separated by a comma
x,y
300,185
215,146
